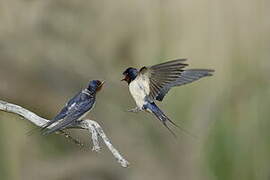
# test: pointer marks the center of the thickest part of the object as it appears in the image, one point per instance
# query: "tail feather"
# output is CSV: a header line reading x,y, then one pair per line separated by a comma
x,y
164,119
42,128
166,126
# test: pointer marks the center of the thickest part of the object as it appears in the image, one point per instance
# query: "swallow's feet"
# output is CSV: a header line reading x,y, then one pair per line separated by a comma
x,y
134,110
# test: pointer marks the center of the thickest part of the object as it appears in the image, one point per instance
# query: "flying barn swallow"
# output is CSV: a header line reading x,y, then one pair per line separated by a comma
x,y
154,82
76,108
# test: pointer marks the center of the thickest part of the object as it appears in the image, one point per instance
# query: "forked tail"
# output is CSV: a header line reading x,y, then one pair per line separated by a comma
x,y
164,119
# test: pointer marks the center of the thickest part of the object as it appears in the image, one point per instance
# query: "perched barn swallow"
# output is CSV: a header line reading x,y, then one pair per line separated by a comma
x,y
154,82
76,108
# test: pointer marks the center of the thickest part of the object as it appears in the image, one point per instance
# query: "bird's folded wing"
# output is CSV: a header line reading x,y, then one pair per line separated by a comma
x,y
187,76
160,76
63,113
74,114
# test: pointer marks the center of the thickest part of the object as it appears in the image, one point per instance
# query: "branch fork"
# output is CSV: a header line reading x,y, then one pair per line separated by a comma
x,y
92,126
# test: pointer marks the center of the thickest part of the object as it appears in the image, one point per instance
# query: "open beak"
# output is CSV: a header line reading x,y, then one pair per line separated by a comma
x,y
102,83
125,78
100,86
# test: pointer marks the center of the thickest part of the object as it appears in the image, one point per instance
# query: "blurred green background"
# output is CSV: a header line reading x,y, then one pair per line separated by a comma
x,y
50,49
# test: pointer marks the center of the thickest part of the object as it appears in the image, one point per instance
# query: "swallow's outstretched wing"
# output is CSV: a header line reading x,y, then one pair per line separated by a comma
x,y
73,114
186,76
158,77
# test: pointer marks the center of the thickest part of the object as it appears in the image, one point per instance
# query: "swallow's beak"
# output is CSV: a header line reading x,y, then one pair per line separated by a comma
x,y
125,78
100,86
102,83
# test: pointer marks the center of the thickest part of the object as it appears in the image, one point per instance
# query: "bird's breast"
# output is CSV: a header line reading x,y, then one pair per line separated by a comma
x,y
138,90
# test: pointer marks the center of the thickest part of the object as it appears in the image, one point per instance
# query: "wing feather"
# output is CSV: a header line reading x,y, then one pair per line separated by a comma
x,y
161,75
187,76
63,113
73,114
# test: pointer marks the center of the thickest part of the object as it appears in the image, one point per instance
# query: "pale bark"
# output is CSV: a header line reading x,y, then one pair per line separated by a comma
x,y
92,126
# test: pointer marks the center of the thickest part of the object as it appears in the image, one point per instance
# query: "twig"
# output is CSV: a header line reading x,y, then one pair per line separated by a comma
x,y
70,138
92,126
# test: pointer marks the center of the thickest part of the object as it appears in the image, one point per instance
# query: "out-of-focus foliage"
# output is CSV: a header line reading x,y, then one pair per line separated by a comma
x,y
50,49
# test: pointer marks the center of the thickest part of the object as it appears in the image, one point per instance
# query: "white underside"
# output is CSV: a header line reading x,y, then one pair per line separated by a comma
x,y
139,89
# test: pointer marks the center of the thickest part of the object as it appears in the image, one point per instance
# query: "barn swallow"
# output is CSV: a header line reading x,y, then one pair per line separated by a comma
x,y
76,108
154,82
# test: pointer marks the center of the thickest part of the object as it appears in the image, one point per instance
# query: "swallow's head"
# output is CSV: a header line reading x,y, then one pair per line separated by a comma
x,y
95,85
130,74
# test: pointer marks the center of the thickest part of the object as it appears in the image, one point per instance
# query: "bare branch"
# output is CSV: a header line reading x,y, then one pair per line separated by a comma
x,y
92,126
